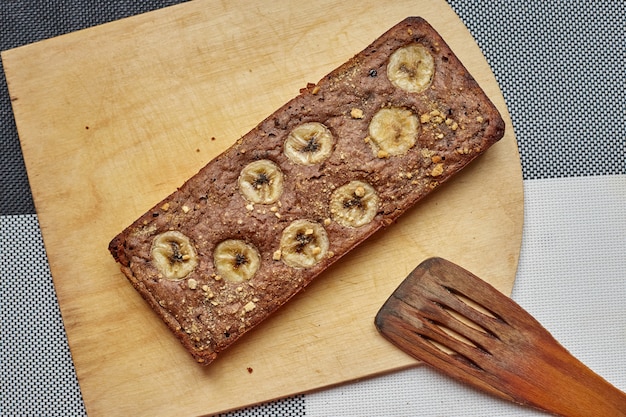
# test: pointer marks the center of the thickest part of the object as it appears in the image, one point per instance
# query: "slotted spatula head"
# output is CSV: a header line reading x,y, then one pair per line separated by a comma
x,y
452,320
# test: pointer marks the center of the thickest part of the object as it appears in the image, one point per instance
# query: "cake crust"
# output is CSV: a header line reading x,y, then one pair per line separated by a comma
x,y
450,122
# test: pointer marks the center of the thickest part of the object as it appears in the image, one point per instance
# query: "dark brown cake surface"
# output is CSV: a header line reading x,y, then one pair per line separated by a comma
x,y
344,158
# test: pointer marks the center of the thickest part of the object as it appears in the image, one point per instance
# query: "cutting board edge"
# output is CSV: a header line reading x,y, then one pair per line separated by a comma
x,y
517,150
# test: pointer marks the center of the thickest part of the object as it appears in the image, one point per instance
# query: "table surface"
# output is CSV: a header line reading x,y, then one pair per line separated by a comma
x,y
560,66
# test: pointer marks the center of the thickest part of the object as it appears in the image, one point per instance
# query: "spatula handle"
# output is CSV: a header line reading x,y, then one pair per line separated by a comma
x,y
571,388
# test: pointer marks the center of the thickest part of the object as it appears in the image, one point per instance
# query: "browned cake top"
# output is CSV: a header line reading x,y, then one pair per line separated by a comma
x,y
341,160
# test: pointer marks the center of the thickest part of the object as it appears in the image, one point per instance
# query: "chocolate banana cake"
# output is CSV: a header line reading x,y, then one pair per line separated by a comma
x,y
340,161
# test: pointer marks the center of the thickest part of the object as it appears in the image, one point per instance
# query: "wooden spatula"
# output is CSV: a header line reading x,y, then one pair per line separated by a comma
x,y
452,320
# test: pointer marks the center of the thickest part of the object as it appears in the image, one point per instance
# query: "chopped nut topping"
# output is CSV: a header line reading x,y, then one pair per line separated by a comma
x,y
249,307
356,113
315,90
436,159
382,154
192,284
437,170
186,209
277,254
165,207
425,118
480,119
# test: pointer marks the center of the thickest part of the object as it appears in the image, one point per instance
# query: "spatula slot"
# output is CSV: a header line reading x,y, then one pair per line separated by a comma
x,y
473,304
467,321
450,352
454,334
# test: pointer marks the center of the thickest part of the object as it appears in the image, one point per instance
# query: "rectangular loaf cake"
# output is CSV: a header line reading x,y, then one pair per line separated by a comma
x,y
340,161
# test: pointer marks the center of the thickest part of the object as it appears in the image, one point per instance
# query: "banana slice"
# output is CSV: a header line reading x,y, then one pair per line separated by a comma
x,y
303,244
354,204
309,144
173,255
261,182
411,68
393,131
236,260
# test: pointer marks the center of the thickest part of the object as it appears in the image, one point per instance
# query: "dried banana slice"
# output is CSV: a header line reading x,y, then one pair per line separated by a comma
x,y
393,131
354,204
411,68
309,144
261,182
173,255
236,260
303,244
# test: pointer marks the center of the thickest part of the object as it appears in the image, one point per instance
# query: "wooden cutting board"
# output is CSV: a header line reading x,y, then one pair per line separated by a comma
x,y
114,118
